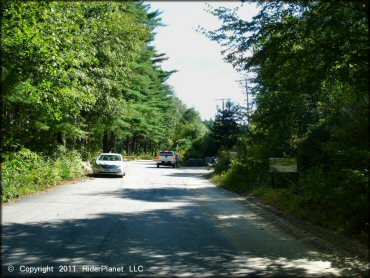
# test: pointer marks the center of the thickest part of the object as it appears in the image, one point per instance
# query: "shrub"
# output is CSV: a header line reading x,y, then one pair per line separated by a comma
x,y
223,161
25,171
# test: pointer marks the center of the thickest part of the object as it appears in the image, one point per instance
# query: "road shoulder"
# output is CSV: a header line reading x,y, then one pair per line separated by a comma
x,y
322,239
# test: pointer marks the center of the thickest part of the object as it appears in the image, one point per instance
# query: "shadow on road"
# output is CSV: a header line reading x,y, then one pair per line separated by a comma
x,y
163,194
161,167
145,239
177,240
174,236
174,169
106,176
187,174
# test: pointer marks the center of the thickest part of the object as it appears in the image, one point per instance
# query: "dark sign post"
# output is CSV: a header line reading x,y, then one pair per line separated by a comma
x,y
282,165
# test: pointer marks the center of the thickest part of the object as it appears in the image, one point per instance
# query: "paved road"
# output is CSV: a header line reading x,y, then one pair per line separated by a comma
x,y
153,222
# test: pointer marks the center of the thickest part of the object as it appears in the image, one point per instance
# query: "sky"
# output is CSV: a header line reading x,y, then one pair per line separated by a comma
x,y
203,77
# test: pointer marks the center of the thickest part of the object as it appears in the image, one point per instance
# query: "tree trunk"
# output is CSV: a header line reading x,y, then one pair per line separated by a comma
x,y
106,142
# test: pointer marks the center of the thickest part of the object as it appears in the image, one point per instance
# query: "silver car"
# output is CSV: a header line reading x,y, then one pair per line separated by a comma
x,y
109,163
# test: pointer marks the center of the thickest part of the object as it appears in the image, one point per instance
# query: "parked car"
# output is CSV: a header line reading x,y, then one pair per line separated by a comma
x,y
168,158
109,163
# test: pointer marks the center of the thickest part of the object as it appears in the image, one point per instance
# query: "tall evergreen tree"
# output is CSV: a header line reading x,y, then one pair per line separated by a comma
x,y
84,75
225,129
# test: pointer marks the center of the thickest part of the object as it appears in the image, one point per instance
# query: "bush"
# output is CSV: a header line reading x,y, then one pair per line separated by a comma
x,y
333,185
24,172
223,161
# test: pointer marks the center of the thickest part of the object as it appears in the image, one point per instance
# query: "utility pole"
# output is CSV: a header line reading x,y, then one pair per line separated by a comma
x,y
247,94
223,102
244,83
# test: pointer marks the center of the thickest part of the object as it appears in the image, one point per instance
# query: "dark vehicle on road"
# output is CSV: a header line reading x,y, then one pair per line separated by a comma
x,y
211,163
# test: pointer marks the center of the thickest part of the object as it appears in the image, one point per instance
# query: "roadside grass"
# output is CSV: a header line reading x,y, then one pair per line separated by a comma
x,y
26,172
291,200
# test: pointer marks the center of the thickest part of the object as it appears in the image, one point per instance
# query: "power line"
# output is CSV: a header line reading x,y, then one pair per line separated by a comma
x,y
223,102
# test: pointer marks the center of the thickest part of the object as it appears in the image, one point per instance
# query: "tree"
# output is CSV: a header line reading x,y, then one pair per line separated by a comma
x,y
225,128
310,59
187,130
83,75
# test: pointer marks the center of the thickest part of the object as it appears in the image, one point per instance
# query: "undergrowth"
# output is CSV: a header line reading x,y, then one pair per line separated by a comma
x,y
24,172
312,198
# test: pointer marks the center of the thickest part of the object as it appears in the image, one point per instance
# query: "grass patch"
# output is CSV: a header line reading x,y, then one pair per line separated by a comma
x,y
284,199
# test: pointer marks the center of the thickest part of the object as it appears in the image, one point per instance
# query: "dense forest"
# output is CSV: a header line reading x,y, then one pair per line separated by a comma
x,y
308,63
79,78
86,76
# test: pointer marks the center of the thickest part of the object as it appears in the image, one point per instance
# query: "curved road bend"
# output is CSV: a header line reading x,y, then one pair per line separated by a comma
x,y
153,222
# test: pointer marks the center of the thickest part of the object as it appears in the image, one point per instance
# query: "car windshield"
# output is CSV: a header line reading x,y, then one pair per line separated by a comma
x,y
107,157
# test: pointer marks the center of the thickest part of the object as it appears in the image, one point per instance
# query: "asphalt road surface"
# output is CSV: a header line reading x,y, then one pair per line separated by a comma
x,y
153,222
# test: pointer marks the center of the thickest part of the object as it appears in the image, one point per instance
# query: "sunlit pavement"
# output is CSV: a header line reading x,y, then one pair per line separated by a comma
x,y
153,222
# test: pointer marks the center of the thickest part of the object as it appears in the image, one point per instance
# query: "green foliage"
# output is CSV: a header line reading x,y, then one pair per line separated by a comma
x,y
206,138
83,75
24,172
225,128
310,62
189,130
203,147
223,161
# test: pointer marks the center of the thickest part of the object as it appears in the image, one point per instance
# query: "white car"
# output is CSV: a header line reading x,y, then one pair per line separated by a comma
x,y
109,163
